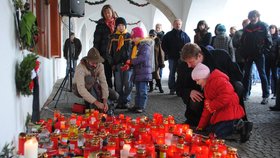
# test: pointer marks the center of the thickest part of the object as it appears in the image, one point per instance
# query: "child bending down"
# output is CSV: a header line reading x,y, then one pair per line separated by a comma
x,y
222,112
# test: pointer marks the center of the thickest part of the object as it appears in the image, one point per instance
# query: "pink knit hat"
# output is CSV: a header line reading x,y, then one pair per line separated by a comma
x,y
200,71
137,32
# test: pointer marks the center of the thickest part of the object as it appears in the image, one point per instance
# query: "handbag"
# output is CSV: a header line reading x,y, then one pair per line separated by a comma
x,y
78,108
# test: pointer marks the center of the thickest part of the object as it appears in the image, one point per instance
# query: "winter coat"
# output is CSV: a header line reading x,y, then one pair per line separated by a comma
x,y
255,40
82,71
142,64
215,59
222,101
101,39
223,41
203,38
172,43
160,35
158,58
274,49
122,55
77,48
237,45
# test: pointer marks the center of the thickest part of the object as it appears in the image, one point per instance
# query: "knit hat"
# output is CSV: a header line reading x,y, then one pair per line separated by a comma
x,y
137,32
94,56
152,32
221,29
120,20
200,71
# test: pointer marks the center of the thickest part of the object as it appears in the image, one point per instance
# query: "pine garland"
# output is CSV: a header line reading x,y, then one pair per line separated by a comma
x,y
96,2
137,4
23,74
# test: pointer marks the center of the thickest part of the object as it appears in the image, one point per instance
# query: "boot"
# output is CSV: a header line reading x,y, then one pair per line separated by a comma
x,y
151,86
159,85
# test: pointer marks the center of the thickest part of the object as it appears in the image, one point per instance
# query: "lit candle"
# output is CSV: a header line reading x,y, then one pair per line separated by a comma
x,y
125,151
188,136
31,148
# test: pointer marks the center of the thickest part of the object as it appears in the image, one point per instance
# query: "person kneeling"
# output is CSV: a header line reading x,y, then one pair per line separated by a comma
x,y
90,82
222,114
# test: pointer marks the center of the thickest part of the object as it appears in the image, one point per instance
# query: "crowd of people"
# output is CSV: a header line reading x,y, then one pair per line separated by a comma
x,y
211,75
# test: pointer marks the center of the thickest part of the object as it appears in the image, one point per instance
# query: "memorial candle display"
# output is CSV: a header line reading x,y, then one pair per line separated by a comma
x,y
120,137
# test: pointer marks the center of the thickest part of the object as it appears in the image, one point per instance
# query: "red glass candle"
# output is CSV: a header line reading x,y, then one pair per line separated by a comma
x,y
21,141
115,138
56,115
163,151
170,151
160,140
232,153
52,153
73,143
154,132
73,119
121,116
64,138
188,135
62,125
222,148
95,113
185,127
179,150
87,151
54,139
150,148
95,145
111,147
144,137
63,149
141,153
49,125
186,149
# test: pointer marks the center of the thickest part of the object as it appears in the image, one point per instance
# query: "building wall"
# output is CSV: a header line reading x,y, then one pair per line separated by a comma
x,y
14,108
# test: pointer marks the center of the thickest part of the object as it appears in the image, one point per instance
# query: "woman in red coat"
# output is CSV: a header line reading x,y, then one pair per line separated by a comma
x,y
222,112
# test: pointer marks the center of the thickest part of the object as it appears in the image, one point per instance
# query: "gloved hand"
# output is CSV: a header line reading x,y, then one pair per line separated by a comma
x,y
125,67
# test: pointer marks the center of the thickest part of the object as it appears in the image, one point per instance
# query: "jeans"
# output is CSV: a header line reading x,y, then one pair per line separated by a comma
x,y
73,64
123,84
260,63
224,128
173,64
160,72
141,96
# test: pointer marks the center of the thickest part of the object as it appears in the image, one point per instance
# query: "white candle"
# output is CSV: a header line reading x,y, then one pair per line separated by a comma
x,y
125,151
31,148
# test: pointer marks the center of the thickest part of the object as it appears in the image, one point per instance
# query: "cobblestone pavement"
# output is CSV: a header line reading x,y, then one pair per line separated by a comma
x,y
264,141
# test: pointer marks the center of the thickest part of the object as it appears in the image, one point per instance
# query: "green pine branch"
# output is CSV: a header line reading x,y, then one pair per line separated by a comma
x,y
23,74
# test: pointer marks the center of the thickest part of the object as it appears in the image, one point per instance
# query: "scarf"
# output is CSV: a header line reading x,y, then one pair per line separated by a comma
x,y
121,39
111,24
135,48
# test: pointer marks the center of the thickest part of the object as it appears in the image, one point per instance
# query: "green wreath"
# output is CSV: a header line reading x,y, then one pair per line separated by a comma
x,y
23,74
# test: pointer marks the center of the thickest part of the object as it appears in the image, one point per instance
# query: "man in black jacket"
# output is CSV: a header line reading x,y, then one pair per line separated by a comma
x,y
72,50
172,43
191,93
255,43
